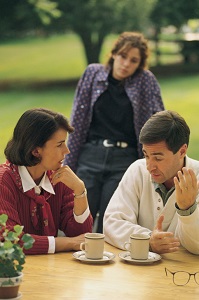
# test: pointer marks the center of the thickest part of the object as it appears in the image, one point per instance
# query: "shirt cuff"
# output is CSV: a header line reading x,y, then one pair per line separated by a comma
x,y
83,217
51,242
186,212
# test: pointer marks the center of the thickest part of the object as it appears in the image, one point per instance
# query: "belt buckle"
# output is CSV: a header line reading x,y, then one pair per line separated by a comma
x,y
122,144
106,144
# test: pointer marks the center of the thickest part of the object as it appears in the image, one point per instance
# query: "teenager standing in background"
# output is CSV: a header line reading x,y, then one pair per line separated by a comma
x,y
112,103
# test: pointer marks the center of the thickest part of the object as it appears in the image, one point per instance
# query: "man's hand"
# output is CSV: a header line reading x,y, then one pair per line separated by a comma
x,y
186,188
163,242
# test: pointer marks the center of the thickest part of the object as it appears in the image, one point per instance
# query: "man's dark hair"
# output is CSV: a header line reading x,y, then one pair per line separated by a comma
x,y
34,128
166,126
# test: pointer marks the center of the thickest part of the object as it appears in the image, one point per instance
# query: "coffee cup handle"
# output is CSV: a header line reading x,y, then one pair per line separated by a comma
x,y
127,246
82,246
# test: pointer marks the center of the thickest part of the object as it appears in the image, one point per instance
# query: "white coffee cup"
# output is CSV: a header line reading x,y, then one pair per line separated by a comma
x,y
93,245
138,246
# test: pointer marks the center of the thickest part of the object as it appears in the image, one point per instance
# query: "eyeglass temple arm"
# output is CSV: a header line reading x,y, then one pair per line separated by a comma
x,y
166,271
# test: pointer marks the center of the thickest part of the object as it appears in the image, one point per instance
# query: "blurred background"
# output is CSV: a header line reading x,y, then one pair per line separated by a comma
x,y
46,45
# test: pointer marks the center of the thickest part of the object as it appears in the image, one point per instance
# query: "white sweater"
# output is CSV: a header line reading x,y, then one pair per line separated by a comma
x,y
135,207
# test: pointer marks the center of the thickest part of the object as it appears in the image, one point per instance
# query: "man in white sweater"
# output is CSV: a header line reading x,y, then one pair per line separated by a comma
x,y
158,195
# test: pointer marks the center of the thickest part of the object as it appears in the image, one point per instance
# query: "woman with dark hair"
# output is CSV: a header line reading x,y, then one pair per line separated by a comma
x,y
111,105
37,191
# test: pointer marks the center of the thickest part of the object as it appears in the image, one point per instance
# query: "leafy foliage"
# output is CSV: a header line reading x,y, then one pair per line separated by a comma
x,y
46,10
92,20
12,243
19,17
169,12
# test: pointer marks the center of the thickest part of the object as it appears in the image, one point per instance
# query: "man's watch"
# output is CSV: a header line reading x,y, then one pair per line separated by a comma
x,y
186,212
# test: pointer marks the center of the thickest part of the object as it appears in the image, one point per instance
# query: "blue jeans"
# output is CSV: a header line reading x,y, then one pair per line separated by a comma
x,y
101,168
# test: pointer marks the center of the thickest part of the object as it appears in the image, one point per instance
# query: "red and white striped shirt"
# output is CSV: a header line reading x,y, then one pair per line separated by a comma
x,y
18,205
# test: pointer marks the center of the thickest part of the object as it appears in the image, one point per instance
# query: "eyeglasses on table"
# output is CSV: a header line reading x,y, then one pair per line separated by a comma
x,y
182,277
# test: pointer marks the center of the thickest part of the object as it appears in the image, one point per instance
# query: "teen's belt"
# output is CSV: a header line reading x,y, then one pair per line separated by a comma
x,y
109,143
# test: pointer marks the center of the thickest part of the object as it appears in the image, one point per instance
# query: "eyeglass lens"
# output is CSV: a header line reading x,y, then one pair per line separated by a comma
x,y
182,278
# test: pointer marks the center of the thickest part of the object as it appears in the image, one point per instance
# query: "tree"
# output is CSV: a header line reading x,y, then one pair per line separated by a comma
x,y
18,17
169,12
176,13
93,20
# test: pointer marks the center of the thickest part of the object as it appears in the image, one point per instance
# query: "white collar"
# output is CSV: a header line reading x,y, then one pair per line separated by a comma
x,y
28,183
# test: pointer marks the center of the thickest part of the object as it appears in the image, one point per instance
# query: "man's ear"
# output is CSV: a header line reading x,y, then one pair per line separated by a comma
x,y
183,150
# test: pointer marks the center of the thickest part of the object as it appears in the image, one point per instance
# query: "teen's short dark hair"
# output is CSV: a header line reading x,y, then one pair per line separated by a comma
x,y
166,126
34,128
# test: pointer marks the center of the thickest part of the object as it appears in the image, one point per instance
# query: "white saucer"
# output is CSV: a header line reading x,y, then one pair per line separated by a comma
x,y
153,257
107,256
16,298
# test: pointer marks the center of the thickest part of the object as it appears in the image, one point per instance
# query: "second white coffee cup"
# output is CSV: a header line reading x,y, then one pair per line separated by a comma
x,y
93,245
138,246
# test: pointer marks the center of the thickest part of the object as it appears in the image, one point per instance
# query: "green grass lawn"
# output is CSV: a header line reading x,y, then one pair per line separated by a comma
x,y
179,94
55,57
14,103
182,95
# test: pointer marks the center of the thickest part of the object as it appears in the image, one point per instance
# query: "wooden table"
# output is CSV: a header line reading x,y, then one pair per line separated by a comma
x,y
61,276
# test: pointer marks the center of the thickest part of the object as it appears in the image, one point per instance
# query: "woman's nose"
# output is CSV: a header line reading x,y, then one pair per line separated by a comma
x,y
126,62
67,151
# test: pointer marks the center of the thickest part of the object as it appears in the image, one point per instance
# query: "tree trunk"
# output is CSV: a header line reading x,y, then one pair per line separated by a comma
x,y
92,45
157,51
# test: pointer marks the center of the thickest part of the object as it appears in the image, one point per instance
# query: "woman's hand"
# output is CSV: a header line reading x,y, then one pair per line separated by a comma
x,y
63,244
69,178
